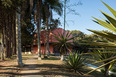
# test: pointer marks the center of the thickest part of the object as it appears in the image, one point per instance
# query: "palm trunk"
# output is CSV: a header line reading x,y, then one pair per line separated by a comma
x,y
18,37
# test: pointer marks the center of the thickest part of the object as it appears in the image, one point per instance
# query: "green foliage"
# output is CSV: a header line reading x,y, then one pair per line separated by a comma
x,y
74,61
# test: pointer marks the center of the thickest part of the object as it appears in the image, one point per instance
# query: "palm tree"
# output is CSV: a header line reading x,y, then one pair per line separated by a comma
x,y
56,6
49,7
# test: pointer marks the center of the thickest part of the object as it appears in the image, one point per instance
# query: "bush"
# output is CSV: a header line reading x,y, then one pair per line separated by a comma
x,y
74,61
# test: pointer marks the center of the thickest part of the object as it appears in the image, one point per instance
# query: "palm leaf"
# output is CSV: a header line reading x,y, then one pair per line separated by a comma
x,y
108,35
111,10
100,66
105,24
111,19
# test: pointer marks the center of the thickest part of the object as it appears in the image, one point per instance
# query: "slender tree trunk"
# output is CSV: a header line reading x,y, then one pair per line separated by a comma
x,y
39,28
18,37
14,30
13,49
44,42
64,15
2,46
5,40
47,39
9,35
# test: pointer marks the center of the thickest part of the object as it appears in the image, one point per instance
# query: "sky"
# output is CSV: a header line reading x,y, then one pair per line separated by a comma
x,y
83,21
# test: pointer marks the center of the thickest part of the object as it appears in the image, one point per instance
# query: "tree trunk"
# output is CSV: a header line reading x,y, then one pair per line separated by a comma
x,y
2,47
47,39
5,39
9,35
39,28
13,36
18,37
64,16
44,42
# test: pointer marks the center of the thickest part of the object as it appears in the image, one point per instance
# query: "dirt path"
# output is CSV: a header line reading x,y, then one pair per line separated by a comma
x,y
51,67
31,68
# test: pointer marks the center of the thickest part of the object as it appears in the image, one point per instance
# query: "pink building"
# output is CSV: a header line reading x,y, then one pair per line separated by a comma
x,y
52,48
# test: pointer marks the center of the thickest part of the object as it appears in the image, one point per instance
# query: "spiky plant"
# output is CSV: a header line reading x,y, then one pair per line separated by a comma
x,y
64,43
110,24
75,62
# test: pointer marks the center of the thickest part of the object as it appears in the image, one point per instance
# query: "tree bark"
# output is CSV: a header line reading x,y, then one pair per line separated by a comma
x,y
18,37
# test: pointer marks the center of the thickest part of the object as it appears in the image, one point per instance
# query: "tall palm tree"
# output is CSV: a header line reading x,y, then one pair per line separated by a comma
x,y
50,6
54,5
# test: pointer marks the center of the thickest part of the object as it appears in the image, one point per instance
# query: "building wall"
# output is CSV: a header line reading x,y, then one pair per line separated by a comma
x,y
43,48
